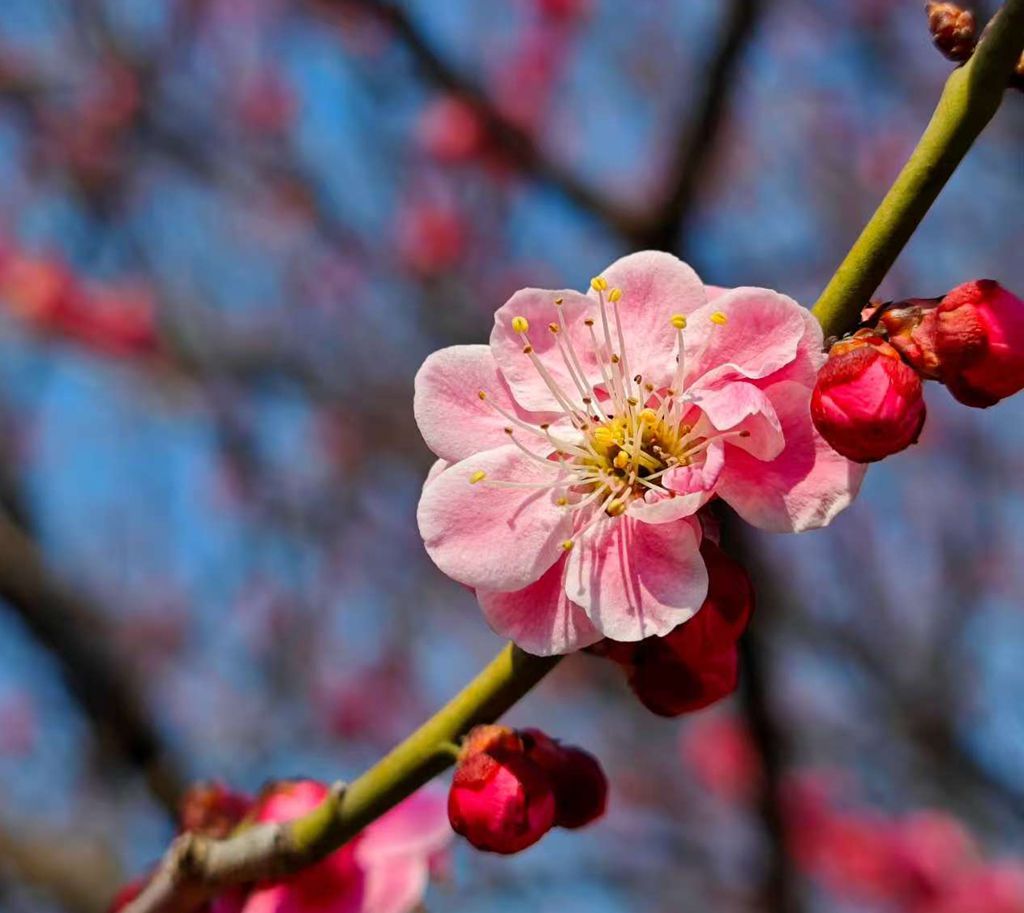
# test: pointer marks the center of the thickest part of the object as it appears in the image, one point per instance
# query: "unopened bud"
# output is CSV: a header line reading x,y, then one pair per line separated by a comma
x,y
953,29
867,402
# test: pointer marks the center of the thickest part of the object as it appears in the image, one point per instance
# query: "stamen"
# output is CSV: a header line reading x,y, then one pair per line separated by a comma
x,y
477,476
719,318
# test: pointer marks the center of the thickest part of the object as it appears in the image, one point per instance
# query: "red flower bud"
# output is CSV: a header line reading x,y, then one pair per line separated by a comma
x,y
725,613
581,788
867,402
697,663
980,341
953,29
212,809
669,686
500,801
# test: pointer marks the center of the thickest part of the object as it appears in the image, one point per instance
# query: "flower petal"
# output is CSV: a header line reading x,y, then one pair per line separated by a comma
x,y
454,421
738,406
489,536
745,333
805,486
395,885
417,825
655,285
540,618
638,579
538,307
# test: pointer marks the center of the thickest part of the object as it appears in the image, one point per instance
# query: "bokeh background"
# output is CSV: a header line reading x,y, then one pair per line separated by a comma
x,y
231,230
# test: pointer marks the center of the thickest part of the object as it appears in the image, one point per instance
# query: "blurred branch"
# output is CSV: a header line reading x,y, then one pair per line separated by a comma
x,y
515,142
698,138
75,633
79,873
971,97
780,887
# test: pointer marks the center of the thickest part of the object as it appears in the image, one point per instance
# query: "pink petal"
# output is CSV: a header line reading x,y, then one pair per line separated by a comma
x,y
436,469
396,885
638,579
416,826
713,292
691,487
762,333
540,618
655,285
454,421
491,537
805,486
539,309
738,406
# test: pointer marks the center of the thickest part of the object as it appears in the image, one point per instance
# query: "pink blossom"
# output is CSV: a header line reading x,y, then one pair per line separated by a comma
x,y
384,869
578,447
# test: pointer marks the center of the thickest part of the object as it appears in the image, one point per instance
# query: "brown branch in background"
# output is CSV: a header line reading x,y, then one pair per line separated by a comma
x,y
780,884
663,227
76,634
699,136
515,142
77,871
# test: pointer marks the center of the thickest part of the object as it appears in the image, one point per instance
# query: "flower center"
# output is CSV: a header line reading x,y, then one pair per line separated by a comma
x,y
620,434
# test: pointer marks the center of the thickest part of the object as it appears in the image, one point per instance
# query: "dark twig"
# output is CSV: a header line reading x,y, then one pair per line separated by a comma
x,y
75,633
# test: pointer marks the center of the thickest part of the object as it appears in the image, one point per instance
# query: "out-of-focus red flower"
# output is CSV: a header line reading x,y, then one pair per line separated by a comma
x,y
980,342
867,402
266,103
431,237
579,784
449,129
563,10
718,750
44,293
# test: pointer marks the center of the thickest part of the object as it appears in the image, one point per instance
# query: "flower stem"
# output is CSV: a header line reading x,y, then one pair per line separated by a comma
x,y
425,753
969,101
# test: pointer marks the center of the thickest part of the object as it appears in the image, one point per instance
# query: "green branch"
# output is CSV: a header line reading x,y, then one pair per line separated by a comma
x,y
969,101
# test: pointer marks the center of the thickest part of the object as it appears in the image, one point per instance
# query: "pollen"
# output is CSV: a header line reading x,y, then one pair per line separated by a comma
x,y
558,301
678,321
599,283
561,502
567,545
719,318
614,295
616,508
553,327
482,394
477,476
621,460
520,324
648,416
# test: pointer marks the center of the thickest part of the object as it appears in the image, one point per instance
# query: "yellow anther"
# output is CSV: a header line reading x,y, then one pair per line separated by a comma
x,y
553,327
616,508
477,476
559,300
719,318
621,460
614,295
561,502
632,400
482,394
567,545
648,416
599,283
520,324
678,321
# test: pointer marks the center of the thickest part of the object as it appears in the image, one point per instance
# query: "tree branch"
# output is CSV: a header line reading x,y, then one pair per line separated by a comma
x,y
969,101
195,867
697,141
73,631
